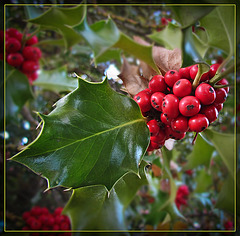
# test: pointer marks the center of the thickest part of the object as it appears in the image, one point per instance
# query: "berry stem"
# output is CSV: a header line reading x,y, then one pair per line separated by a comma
x,y
221,86
194,139
202,68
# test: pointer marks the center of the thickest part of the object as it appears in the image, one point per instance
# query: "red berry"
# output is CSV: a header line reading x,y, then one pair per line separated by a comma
x,y
26,215
153,127
185,72
157,84
44,219
180,124
219,106
159,138
189,106
143,99
165,120
15,59
213,70
205,93
58,211
64,226
14,33
50,221
32,53
55,227
193,73
170,106
29,67
12,45
36,224
30,220
210,112
198,123
32,40
164,21
33,76
171,77
170,133
156,100
36,211
221,95
224,82
182,88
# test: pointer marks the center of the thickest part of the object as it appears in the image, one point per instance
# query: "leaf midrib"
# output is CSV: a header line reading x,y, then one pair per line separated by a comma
x,y
91,136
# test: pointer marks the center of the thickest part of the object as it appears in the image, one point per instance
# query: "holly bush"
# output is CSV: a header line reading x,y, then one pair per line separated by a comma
x,y
101,138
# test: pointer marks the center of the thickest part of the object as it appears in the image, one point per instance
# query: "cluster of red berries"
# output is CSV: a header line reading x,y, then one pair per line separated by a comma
x,y
39,218
172,107
181,197
22,55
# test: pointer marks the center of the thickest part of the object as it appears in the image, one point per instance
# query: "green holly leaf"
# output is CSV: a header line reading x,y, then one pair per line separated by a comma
x,y
200,155
224,144
56,80
63,19
189,15
94,208
94,136
225,200
18,92
170,37
220,28
203,181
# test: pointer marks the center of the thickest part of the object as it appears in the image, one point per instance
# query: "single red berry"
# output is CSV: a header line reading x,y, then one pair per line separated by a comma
x,y
213,70
219,106
36,211
26,215
198,123
32,76
210,112
14,33
152,146
180,124
170,133
32,41
153,127
58,211
164,21
193,73
170,106
12,45
29,67
171,77
185,72
205,93
182,88
224,82
45,211
157,84
50,221
15,59
159,138
189,106
64,226
165,120
44,218
143,99
30,220
31,53
156,100
221,95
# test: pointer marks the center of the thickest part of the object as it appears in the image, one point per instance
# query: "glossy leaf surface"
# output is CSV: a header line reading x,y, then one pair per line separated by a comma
x,y
94,136
93,208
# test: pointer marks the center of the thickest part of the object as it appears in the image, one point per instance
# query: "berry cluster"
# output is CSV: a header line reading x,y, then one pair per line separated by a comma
x,y
21,53
173,107
181,197
39,218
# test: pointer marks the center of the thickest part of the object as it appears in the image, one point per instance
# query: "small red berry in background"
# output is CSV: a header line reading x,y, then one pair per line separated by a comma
x,y
24,59
40,218
228,225
182,195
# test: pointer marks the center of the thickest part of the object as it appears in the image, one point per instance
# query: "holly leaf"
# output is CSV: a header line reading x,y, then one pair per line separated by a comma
x,y
225,200
56,80
220,34
200,155
132,80
189,15
224,144
203,181
170,37
18,92
90,138
94,208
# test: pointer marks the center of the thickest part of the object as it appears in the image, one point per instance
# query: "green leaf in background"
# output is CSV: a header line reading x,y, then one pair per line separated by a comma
x,y
188,15
33,11
94,208
18,92
220,28
224,144
94,136
63,19
56,80
170,37
201,154
225,200
203,181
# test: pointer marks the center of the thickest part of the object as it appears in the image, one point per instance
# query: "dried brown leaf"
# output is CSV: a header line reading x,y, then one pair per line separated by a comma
x,y
132,80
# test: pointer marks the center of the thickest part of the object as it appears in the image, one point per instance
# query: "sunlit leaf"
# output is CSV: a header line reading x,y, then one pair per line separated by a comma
x,y
90,138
